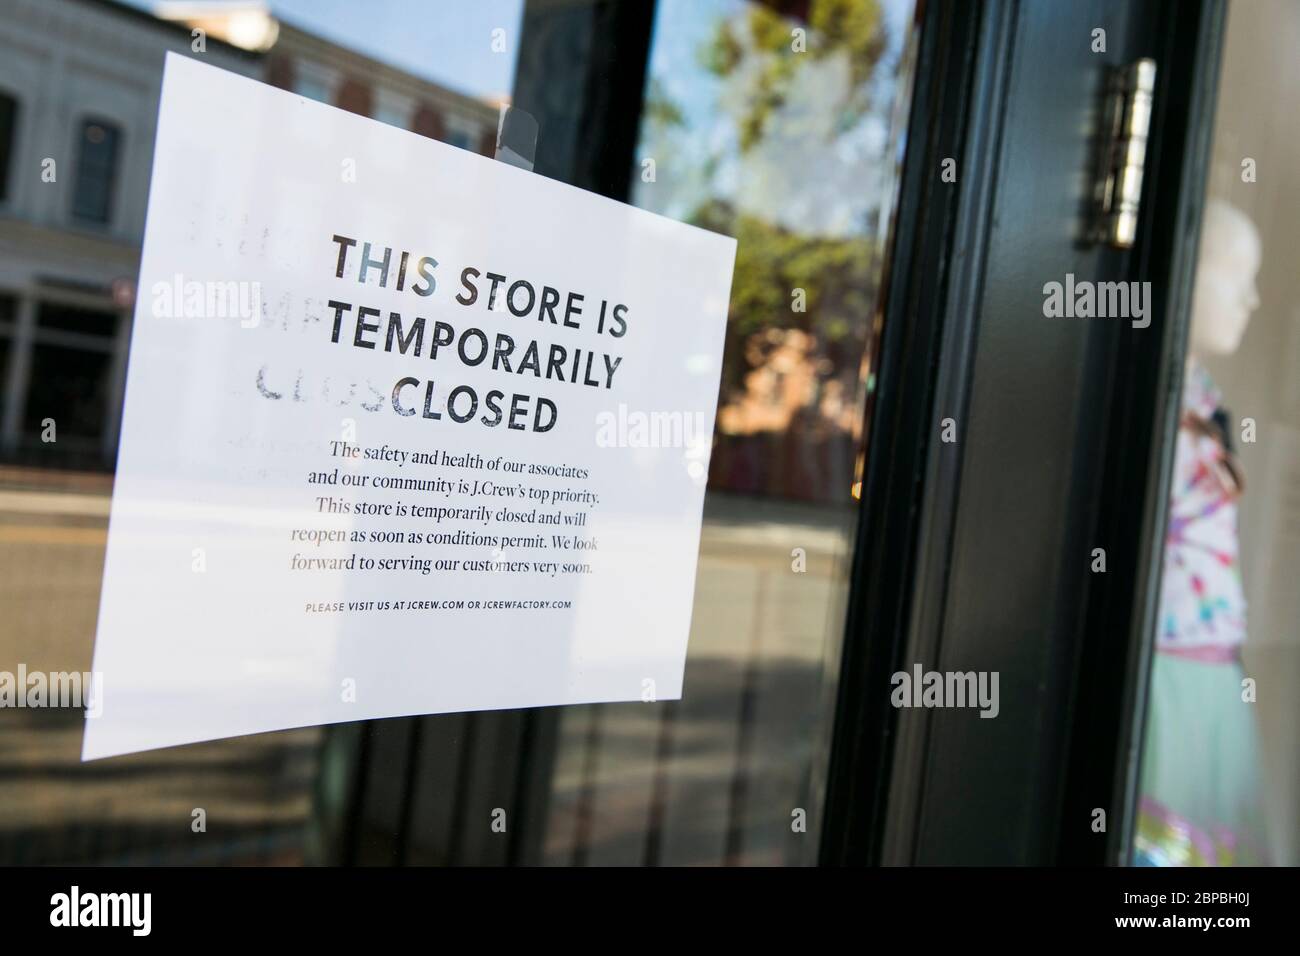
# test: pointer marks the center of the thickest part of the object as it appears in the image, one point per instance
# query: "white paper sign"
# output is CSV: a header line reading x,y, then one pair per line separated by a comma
x,y
407,431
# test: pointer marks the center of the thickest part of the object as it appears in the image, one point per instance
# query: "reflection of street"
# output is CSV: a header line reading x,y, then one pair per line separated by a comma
x,y
255,791
718,776
713,778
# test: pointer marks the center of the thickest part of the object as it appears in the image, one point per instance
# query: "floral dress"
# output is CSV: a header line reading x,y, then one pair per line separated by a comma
x,y
1202,603
1200,772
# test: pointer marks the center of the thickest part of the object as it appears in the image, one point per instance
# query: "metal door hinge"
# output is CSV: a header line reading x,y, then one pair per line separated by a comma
x,y
1123,153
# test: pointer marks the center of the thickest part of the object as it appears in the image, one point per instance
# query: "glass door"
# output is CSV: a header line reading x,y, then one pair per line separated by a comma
x,y
779,123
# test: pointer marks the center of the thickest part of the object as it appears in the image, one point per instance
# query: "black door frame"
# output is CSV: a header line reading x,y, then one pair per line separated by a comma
x,y
887,799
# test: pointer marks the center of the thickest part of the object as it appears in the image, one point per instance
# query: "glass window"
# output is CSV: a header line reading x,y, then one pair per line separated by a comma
x,y
8,426
460,138
777,127
64,318
1220,780
462,132
776,123
313,88
792,153
74,406
393,116
97,158
8,135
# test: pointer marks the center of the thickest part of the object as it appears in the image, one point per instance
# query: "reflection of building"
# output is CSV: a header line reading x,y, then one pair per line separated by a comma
x,y
320,70
79,83
79,87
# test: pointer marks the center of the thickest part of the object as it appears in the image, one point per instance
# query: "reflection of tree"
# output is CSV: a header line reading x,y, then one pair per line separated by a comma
x,y
660,111
789,383
835,274
760,47
782,134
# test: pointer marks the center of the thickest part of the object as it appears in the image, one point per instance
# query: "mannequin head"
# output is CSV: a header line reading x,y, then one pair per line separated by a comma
x,y
1225,280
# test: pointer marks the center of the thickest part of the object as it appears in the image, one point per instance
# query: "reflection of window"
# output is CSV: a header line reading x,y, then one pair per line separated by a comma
x,y
392,116
7,308
8,130
92,194
69,380
66,319
5,349
312,88
462,134
70,386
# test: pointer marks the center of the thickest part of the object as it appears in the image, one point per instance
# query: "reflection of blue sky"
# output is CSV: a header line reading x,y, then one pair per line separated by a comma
x,y
444,41
805,173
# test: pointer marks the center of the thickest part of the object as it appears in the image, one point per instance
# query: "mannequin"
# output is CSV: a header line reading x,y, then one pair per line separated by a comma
x,y
1225,293
1200,773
